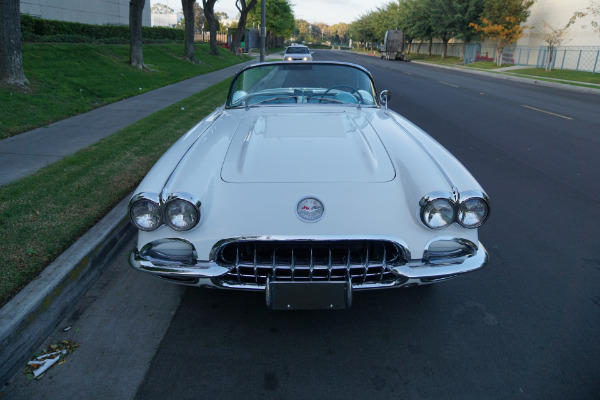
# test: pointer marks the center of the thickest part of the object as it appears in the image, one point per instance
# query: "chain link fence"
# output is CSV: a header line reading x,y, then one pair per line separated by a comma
x,y
571,58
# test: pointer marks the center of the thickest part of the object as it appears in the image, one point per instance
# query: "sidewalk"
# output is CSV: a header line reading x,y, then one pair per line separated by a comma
x,y
25,153
33,313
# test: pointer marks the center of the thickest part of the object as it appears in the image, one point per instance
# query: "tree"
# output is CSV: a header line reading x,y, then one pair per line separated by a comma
x,y
592,10
188,14
199,18
553,37
11,56
209,13
244,8
136,55
502,21
442,23
504,34
279,17
463,13
160,8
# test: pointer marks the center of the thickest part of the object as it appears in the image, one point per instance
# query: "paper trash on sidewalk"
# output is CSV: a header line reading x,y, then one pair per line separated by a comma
x,y
48,357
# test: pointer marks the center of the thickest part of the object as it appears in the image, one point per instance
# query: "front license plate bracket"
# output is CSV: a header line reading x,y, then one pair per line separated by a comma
x,y
308,295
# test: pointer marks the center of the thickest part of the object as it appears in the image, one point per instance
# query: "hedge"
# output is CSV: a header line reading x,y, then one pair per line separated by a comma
x,y
45,30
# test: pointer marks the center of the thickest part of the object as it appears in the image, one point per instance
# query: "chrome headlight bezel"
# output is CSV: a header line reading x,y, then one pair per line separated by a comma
x,y
440,199
463,204
192,212
161,210
466,201
149,199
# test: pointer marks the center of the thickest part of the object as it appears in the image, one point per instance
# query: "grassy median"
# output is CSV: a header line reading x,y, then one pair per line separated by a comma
x,y
69,79
43,214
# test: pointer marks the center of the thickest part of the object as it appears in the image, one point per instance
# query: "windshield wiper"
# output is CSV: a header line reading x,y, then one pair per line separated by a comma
x,y
330,100
273,99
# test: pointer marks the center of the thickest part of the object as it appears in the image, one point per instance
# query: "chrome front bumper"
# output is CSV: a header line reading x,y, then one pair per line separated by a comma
x,y
186,270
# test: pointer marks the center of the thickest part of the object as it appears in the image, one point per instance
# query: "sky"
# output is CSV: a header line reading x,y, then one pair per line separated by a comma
x,y
327,11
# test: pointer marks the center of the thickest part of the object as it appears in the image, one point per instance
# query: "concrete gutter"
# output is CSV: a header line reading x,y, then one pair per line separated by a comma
x,y
28,319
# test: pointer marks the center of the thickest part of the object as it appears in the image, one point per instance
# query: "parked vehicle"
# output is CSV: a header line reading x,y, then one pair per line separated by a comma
x,y
393,46
305,186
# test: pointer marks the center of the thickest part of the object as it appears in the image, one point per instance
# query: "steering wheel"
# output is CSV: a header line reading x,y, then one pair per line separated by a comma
x,y
352,90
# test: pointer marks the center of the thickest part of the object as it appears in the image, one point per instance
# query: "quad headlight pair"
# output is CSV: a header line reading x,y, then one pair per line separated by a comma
x,y
180,211
438,210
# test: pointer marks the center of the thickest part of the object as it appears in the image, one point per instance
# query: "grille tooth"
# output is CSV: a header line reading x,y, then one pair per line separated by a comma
x,y
364,262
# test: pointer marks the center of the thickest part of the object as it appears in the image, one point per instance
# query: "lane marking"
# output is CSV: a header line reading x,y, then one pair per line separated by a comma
x,y
546,112
448,84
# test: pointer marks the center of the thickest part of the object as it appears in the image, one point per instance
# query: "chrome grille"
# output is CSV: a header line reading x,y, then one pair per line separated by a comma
x,y
364,262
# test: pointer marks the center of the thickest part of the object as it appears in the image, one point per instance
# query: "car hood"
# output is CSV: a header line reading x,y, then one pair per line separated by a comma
x,y
315,147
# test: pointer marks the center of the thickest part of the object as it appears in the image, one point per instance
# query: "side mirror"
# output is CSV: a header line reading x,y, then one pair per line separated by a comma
x,y
385,97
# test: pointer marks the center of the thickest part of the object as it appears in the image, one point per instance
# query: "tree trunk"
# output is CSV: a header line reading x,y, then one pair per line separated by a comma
x,y
136,55
430,46
11,57
444,47
244,8
209,13
188,15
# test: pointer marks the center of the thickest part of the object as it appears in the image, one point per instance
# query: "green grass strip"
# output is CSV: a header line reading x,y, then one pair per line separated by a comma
x,y
45,213
69,79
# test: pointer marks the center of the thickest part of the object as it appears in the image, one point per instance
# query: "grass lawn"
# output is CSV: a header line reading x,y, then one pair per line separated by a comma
x,y
69,79
576,76
487,65
435,59
43,214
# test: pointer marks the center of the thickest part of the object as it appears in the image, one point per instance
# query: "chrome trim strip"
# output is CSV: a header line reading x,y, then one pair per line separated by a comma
x,y
165,191
426,151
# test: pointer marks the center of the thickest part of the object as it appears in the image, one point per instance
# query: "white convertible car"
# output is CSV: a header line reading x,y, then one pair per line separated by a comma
x,y
305,186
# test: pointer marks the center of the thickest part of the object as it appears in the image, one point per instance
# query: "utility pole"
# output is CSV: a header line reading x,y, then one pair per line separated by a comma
x,y
263,30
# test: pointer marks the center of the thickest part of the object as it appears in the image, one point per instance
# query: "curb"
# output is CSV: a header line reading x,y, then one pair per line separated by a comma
x,y
531,81
32,315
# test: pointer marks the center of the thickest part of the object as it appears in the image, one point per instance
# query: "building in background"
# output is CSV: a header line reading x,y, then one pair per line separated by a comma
x,y
557,13
170,19
97,12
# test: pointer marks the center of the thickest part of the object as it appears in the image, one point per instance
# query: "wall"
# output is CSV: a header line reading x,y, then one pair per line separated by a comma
x,y
98,12
557,13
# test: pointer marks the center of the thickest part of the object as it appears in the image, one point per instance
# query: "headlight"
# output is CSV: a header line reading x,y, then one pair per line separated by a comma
x,y
145,214
305,59
473,211
181,215
437,210
288,59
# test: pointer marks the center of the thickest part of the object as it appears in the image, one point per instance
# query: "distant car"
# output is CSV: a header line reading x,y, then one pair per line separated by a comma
x,y
297,53
305,186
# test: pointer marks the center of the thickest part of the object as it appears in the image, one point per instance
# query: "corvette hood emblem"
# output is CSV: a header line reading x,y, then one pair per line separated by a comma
x,y
310,209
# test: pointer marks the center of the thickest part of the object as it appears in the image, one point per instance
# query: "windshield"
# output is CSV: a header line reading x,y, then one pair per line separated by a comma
x,y
315,83
297,50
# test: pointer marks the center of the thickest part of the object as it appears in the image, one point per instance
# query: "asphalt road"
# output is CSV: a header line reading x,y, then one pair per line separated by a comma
x,y
527,326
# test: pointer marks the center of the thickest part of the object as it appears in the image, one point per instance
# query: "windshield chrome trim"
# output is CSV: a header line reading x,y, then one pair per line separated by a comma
x,y
287,63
